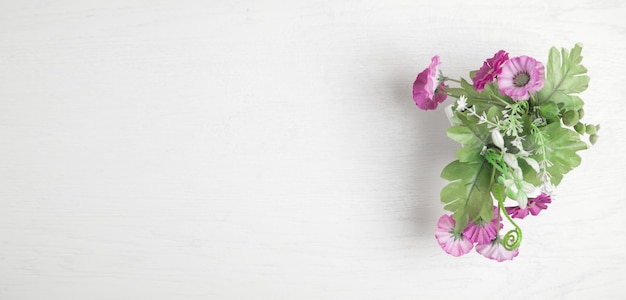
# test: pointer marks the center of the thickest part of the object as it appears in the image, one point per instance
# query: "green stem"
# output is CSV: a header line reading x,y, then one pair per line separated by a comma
x,y
495,160
541,144
500,102
513,238
533,100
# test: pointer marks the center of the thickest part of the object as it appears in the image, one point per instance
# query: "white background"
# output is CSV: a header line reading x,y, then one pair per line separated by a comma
x,y
272,150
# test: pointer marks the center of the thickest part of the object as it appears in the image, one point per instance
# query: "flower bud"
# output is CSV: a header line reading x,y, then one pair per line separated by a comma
x,y
570,118
580,128
511,160
497,138
532,163
522,199
590,129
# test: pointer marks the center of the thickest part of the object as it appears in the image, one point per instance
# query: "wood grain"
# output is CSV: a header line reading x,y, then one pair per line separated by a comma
x,y
271,150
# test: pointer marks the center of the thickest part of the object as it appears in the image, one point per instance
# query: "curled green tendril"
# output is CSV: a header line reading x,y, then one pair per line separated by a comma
x,y
513,237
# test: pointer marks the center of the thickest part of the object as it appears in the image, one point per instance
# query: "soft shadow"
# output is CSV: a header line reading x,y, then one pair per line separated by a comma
x,y
435,152
431,150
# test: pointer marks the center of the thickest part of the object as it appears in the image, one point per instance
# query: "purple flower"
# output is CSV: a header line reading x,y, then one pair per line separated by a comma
x,y
534,206
491,68
520,76
455,244
483,232
427,92
496,251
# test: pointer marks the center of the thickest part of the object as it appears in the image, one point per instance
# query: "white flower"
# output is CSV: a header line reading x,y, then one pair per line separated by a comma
x,y
481,118
461,104
547,188
516,188
517,142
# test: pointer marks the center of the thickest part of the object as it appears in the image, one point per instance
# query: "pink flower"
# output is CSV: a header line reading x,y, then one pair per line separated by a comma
x,y
534,206
453,243
483,232
427,92
491,68
495,250
520,76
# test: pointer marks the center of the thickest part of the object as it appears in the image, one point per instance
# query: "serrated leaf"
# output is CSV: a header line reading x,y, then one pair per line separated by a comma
x,y
561,147
450,192
565,77
460,134
468,195
468,153
455,170
469,134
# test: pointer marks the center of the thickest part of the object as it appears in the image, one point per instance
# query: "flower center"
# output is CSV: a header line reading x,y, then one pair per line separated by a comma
x,y
521,79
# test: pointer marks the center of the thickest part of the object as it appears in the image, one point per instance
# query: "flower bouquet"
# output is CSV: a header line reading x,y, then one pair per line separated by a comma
x,y
518,123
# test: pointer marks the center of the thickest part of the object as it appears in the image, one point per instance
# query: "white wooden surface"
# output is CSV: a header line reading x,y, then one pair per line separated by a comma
x,y
271,150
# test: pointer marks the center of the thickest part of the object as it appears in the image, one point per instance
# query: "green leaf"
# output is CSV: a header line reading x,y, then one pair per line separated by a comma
x,y
468,193
470,134
565,77
567,102
455,92
482,101
561,147
460,134
529,174
549,110
494,112
468,153
455,170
